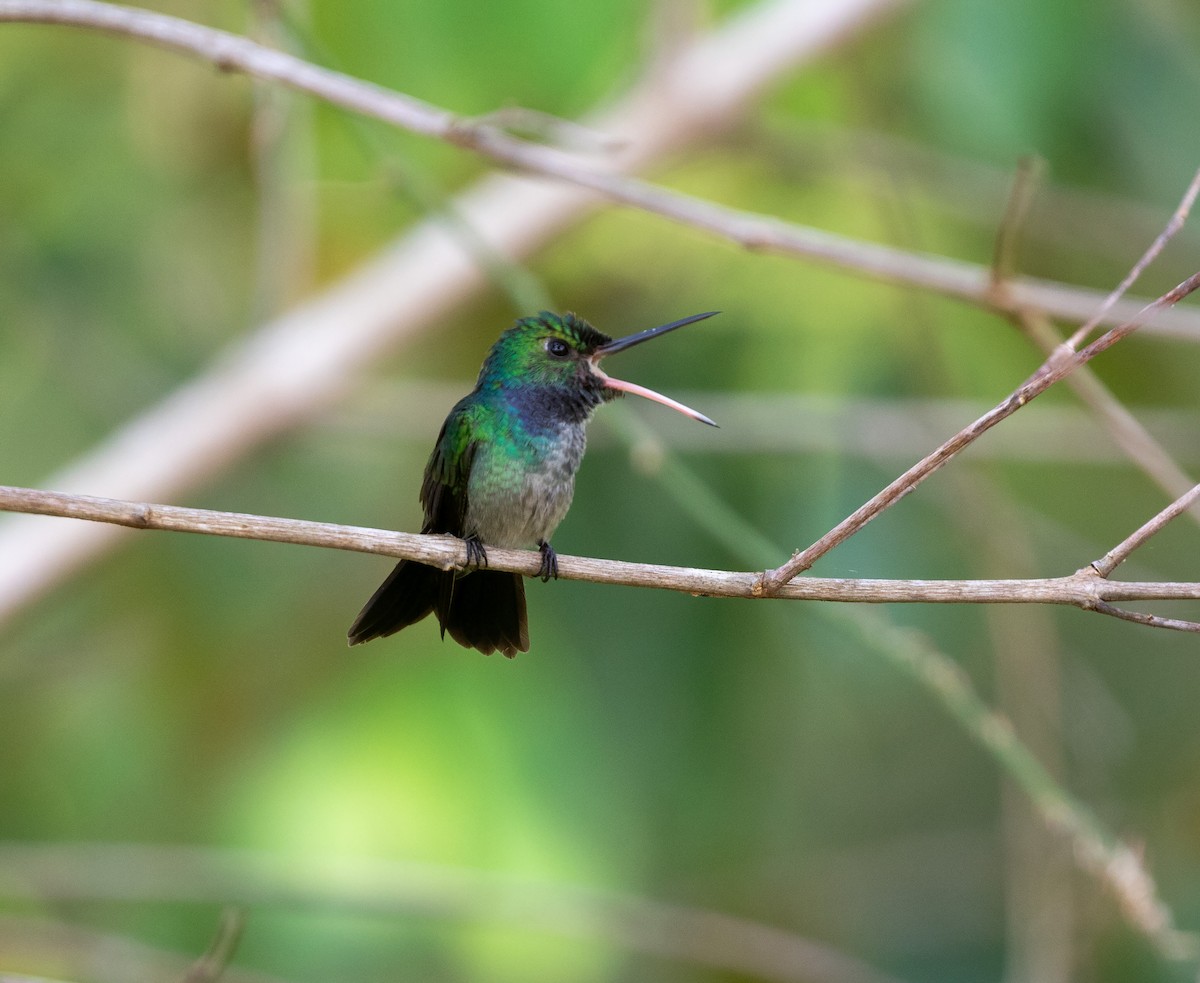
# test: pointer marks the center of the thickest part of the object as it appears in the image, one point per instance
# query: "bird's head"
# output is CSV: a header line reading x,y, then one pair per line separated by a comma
x,y
565,351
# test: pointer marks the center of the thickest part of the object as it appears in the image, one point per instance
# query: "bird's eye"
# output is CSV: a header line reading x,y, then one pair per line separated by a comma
x,y
557,348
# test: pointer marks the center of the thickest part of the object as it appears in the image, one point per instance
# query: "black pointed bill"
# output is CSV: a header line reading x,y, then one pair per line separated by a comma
x,y
631,387
636,339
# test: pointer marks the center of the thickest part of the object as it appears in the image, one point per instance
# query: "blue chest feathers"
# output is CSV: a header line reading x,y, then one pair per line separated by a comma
x,y
523,478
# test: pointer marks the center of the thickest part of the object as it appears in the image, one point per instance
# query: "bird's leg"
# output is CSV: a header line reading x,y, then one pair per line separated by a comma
x,y
549,567
476,554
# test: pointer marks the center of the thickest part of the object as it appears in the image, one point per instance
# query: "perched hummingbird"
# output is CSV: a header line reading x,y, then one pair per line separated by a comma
x,y
503,473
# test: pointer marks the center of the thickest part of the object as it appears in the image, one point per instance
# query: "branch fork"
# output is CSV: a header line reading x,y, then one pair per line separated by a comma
x,y
1062,360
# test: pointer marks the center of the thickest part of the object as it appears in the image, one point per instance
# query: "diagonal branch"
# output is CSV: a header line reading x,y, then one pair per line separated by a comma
x,y
1149,256
1125,430
1138,444
1060,364
1149,620
700,72
1119,553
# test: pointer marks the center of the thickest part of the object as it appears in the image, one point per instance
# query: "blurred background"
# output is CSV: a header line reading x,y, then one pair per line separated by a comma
x,y
664,787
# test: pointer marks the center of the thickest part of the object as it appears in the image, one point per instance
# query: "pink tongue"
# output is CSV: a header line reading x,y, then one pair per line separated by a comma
x,y
633,387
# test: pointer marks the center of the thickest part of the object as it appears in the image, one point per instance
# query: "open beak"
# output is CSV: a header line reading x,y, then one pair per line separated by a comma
x,y
630,387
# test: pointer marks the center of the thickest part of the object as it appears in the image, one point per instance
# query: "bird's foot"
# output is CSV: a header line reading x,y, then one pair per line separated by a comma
x,y
476,554
549,567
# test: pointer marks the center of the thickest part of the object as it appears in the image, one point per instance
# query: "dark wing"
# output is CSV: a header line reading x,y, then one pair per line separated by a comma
x,y
444,490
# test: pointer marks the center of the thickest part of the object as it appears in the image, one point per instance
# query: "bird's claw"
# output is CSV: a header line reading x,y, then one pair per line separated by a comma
x,y
476,554
549,567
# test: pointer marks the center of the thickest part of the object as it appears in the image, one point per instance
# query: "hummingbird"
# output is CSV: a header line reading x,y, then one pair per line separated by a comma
x,y
502,473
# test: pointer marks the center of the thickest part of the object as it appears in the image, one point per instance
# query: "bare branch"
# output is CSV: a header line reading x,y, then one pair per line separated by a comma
x,y
1113,335
1083,590
1020,199
1150,620
1149,256
1118,554
1123,427
1125,430
700,70
1060,363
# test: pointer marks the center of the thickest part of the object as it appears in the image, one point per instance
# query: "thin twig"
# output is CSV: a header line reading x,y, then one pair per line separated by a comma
x,y
1083,589
1056,367
1127,433
1149,256
1119,553
1149,620
966,281
1020,198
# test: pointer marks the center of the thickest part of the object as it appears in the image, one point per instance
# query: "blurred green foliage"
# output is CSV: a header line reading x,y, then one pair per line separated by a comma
x,y
751,759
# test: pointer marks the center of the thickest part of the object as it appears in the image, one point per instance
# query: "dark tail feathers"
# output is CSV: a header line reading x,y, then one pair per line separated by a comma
x,y
483,610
